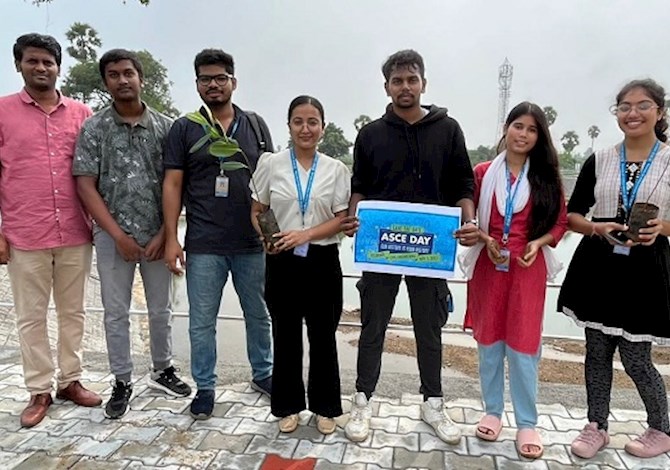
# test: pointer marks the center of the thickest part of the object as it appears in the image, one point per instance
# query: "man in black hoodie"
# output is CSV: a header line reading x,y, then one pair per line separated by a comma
x,y
415,154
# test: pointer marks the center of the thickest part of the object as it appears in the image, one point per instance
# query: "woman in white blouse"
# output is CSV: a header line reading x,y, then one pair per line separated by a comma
x,y
309,194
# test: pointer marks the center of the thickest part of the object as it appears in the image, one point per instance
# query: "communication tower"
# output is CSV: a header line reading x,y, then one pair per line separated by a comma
x,y
504,87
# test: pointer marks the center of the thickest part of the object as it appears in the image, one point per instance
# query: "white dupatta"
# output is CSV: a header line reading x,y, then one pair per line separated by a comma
x,y
495,181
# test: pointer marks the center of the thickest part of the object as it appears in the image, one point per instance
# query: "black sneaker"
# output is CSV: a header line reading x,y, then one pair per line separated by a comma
x,y
263,386
168,382
117,406
202,405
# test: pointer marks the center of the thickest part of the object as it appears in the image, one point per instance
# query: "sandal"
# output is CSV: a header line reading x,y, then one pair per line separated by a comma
x,y
489,428
526,440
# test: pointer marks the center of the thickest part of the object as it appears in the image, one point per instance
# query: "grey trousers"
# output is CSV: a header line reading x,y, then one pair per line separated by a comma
x,y
116,283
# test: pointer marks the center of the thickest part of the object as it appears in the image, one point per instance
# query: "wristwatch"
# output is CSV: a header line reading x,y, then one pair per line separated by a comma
x,y
474,222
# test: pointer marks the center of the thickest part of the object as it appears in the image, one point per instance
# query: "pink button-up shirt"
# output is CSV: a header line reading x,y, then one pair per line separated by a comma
x,y
38,197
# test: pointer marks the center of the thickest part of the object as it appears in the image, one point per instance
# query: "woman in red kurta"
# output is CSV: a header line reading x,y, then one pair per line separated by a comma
x,y
522,212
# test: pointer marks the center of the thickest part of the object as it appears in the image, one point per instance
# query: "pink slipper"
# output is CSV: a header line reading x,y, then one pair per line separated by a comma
x,y
526,439
489,428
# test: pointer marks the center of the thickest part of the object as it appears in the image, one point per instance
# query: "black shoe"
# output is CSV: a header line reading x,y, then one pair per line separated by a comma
x,y
168,382
117,406
202,405
263,386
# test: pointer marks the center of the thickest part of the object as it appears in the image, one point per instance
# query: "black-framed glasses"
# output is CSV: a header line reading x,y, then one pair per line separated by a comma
x,y
220,80
625,108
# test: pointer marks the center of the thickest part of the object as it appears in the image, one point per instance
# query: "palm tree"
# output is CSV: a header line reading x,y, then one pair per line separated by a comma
x,y
594,132
84,41
550,113
570,140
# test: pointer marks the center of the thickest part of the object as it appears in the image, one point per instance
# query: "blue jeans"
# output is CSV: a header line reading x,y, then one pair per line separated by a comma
x,y
206,275
522,382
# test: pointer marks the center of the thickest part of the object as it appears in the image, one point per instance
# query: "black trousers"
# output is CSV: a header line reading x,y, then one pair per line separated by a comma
x,y
636,360
428,299
308,288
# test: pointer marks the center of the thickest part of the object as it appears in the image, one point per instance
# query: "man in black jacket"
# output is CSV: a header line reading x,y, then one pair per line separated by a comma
x,y
415,154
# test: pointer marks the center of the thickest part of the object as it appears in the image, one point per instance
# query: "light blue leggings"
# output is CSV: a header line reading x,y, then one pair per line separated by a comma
x,y
522,382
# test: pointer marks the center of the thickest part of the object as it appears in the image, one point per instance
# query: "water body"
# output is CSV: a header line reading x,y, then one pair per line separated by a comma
x,y
555,324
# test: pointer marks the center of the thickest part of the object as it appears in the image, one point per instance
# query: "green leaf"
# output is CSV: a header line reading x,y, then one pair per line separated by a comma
x,y
223,149
198,145
233,166
198,118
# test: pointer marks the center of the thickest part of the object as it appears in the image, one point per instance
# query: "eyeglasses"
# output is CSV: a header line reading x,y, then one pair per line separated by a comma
x,y
625,108
220,80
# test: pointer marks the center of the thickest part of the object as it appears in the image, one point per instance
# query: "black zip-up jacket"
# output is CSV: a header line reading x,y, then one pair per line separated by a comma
x,y
424,162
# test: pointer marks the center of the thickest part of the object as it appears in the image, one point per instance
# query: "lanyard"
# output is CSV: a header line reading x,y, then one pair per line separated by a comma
x,y
509,203
236,124
629,199
303,198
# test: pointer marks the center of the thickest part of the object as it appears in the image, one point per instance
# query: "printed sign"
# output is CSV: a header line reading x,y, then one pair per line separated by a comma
x,y
407,238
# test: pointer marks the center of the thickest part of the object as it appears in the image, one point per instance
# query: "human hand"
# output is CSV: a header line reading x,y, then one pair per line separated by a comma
x,y
4,250
174,253
128,248
468,234
290,239
648,234
155,249
493,251
349,225
529,254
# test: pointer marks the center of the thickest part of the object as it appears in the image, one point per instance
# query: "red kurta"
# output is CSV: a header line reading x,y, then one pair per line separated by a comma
x,y
509,306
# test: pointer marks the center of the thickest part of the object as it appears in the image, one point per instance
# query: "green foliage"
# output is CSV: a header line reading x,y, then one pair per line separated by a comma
x,y
84,42
567,162
156,90
569,141
83,81
334,143
481,154
220,145
551,114
361,121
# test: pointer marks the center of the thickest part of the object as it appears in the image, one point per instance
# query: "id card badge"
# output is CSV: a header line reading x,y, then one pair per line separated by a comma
x,y
301,250
221,186
621,250
504,266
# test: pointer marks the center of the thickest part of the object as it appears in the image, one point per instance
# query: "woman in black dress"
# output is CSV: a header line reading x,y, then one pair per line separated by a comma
x,y
620,291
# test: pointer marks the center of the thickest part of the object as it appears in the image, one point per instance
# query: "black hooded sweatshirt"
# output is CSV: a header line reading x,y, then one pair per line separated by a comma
x,y
424,162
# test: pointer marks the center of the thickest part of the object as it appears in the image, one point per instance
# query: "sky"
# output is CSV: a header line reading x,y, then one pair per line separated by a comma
x,y
573,55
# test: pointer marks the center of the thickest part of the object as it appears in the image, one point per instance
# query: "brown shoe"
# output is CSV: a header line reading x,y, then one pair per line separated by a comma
x,y
78,394
36,410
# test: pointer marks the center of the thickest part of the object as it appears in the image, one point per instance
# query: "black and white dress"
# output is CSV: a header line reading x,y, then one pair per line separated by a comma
x,y
620,295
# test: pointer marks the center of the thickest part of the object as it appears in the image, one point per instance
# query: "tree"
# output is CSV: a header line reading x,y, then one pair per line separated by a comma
x,y
84,42
570,140
594,132
334,143
481,154
361,121
551,114
83,81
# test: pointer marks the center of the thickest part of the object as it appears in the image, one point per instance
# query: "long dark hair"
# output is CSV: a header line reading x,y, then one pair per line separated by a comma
x,y
656,92
546,188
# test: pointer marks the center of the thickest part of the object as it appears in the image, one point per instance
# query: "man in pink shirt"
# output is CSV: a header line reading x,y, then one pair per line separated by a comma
x,y
45,236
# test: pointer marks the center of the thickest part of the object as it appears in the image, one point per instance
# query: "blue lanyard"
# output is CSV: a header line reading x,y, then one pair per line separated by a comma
x,y
629,199
303,199
509,203
236,124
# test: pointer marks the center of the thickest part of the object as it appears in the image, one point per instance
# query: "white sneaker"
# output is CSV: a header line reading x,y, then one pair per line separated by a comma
x,y
358,427
434,413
